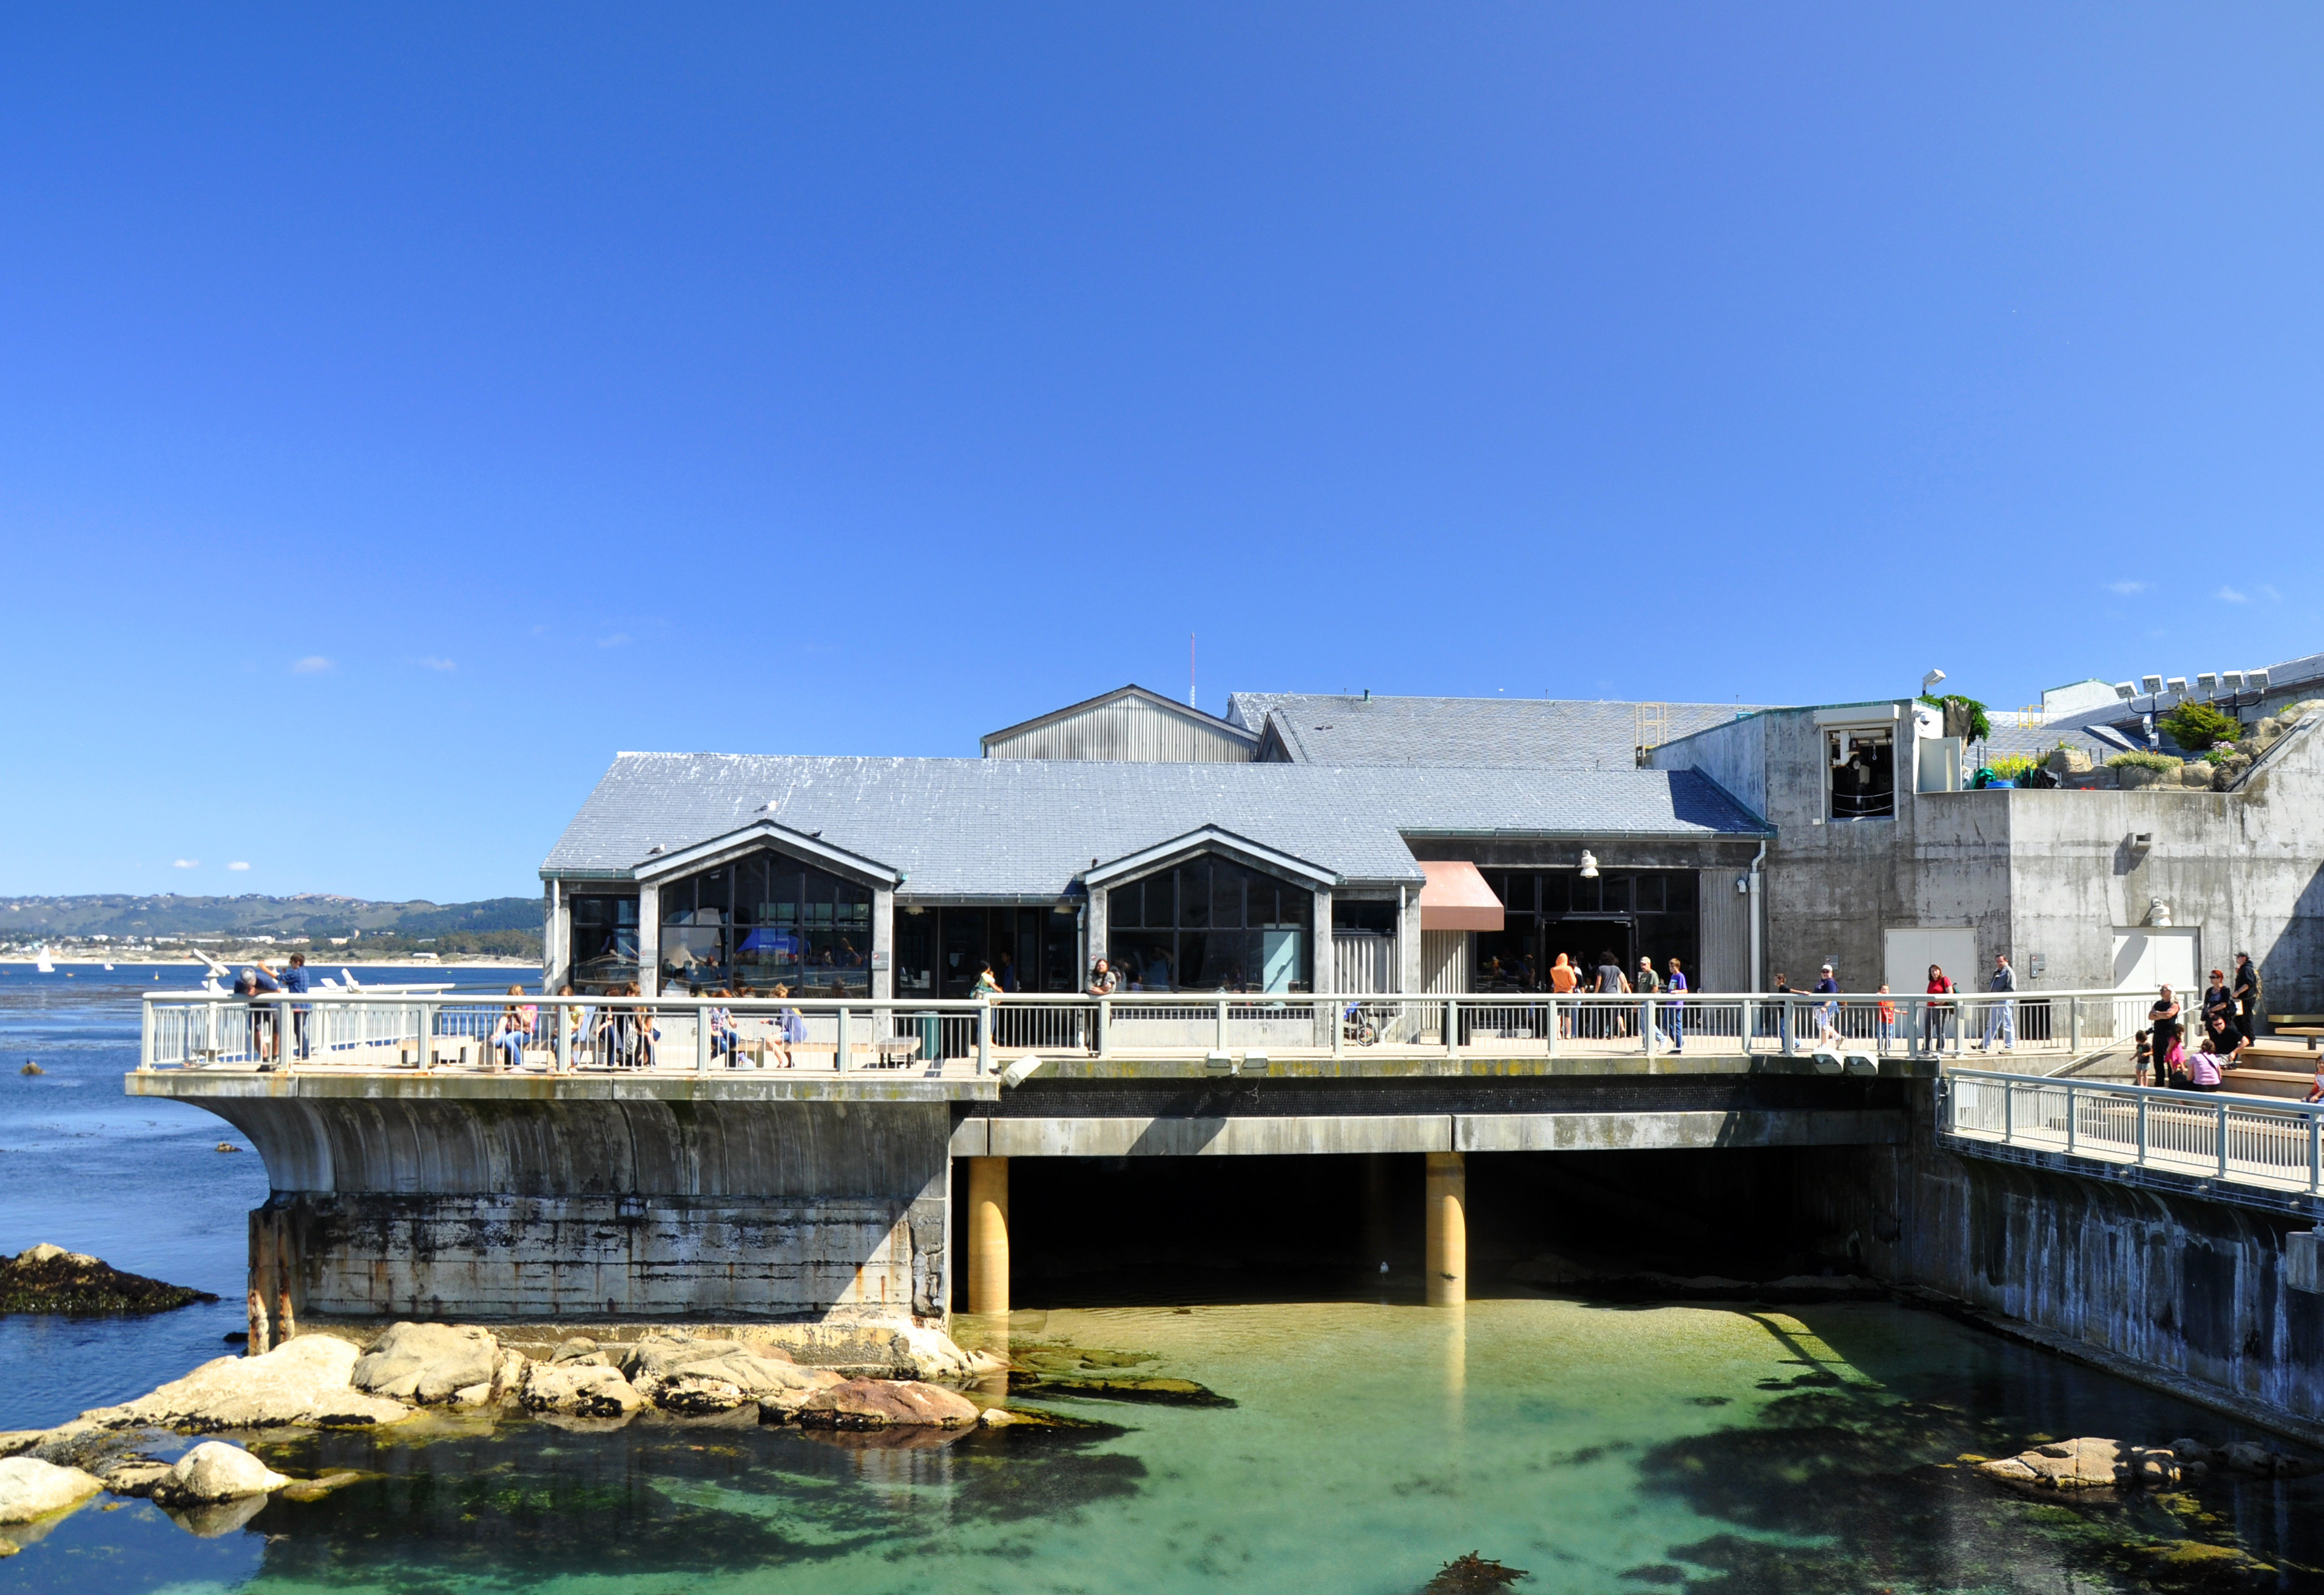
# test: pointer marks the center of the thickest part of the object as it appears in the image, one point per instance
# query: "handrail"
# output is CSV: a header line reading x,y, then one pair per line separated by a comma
x,y
373,994
2265,1143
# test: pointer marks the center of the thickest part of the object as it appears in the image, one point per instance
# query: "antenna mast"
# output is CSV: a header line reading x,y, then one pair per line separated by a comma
x,y
1191,702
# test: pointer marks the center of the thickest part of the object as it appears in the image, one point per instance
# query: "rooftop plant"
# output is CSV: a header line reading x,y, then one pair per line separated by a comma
x,y
2163,763
2197,726
1980,727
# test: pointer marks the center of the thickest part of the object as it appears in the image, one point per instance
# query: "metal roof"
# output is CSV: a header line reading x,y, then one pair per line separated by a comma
x,y
1025,828
1230,730
1568,733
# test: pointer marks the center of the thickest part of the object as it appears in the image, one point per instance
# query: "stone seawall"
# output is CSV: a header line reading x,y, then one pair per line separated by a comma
x,y
2172,1284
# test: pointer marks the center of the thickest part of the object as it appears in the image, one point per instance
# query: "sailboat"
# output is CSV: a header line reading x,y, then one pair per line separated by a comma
x,y
41,960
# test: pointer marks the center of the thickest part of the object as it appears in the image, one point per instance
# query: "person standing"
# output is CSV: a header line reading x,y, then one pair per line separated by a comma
x,y
1935,1014
2218,1001
1611,981
1645,984
294,981
1103,982
2001,1014
1674,985
2163,1026
1884,1021
1828,1011
2248,997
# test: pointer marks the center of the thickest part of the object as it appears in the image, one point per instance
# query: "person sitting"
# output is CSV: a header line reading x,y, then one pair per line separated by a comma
x,y
514,1030
2218,999
721,1029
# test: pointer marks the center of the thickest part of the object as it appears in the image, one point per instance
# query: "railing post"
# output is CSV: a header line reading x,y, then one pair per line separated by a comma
x,y
2073,1117
839,1050
1646,1024
2008,1113
701,1040
427,1035
2073,1025
2315,1152
1750,1025
2220,1113
144,1035
1339,1029
2142,1132
1551,1038
561,1020
1221,1042
1452,1026
985,1038
1105,1027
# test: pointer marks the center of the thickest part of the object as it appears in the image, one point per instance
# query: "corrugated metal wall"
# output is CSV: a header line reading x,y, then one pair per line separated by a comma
x,y
1363,962
1444,961
1127,730
1723,921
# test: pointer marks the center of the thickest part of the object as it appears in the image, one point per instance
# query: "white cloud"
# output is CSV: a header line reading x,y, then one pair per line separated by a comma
x,y
2271,594
615,640
2229,595
2124,589
432,663
239,864
187,864
314,664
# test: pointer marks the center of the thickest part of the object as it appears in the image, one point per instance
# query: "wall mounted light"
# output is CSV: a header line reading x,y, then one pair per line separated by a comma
x,y
2158,913
1589,865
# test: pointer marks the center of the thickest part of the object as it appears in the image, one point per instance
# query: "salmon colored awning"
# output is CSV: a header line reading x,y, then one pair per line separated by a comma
x,y
1456,898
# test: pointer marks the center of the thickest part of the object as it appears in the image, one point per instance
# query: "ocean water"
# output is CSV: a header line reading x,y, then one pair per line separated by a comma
x,y
1599,1448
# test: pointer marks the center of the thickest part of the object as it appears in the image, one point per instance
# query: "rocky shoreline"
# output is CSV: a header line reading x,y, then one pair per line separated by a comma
x,y
885,1380
48,1278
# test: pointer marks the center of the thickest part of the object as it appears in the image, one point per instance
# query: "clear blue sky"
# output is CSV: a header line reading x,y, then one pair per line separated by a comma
x,y
402,410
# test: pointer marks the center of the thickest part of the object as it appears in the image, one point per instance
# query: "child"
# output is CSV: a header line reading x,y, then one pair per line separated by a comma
x,y
1887,1019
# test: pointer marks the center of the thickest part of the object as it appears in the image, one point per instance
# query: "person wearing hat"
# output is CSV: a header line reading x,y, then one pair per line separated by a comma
x,y
2247,996
1828,1012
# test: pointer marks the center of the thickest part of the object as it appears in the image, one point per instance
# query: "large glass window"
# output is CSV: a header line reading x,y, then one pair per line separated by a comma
x,y
1211,925
767,920
1863,773
1623,914
604,945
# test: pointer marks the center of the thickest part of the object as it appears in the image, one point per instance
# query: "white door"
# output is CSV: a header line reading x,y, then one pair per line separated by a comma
x,y
2145,959
1908,953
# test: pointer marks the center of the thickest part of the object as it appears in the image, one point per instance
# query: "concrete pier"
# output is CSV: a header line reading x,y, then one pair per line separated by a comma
x,y
1446,1257
987,1236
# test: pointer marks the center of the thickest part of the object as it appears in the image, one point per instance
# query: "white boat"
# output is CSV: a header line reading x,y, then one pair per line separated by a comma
x,y
40,961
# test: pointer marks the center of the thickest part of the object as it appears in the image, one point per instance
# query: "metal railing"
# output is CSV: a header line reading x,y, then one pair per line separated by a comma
x,y
434,1029
2278,1146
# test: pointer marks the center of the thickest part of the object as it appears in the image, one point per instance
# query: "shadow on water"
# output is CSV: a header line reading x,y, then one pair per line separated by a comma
x,y
1842,1484
663,1501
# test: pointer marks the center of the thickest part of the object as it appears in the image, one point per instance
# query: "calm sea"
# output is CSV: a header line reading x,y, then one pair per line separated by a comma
x,y
1600,1448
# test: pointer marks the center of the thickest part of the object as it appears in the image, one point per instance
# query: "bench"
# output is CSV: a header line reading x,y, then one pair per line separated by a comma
x,y
2266,1083
2289,1052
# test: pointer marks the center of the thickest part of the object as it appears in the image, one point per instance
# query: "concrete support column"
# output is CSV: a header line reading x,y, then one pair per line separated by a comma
x,y
1447,1229
987,1236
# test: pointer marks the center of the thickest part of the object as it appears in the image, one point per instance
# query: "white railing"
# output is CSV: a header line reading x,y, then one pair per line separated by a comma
x,y
435,1028
2202,1135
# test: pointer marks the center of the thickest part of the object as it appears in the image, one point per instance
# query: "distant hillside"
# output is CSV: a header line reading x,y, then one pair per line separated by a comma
x,y
496,924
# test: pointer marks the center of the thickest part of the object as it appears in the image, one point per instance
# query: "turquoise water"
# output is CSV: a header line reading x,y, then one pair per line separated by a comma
x,y
1601,1448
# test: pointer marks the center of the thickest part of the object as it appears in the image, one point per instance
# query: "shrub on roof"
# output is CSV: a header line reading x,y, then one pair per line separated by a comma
x,y
2164,762
2197,726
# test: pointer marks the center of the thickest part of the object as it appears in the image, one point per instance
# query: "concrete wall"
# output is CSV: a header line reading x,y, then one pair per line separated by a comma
x,y
638,1206
2179,1284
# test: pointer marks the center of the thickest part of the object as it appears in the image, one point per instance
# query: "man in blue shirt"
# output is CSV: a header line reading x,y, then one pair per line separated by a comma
x,y
294,981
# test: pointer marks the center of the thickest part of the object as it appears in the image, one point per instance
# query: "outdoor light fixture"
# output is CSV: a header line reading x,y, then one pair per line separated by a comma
x,y
2158,913
1929,682
1589,865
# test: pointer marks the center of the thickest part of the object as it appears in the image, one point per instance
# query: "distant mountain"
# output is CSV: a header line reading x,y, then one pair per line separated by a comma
x,y
496,924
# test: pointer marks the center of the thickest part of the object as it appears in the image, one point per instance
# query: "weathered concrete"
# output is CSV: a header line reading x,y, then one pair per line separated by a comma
x,y
1256,1136
2186,1288
565,1197
1446,1257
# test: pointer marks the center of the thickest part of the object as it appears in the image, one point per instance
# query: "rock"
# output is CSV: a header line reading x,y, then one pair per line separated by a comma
x,y
30,1489
997,1417
2197,774
427,1362
691,1376
314,1489
32,1068
508,1374
883,1403
8,1548
2131,778
2089,1463
211,1520
304,1382
2067,762
227,1147
13,1441
872,1348
473,1396
580,1349
134,1475
214,1470
48,1278
578,1389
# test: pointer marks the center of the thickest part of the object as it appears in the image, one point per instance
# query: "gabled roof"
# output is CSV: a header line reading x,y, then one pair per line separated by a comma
x,y
1569,734
1020,829
1145,698
1209,838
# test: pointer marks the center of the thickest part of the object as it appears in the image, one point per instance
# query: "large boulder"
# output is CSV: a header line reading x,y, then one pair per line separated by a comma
x,y
305,1382
427,1362
696,1376
30,1489
2088,1463
2065,760
587,1390
872,1348
883,1404
47,1278
216,1471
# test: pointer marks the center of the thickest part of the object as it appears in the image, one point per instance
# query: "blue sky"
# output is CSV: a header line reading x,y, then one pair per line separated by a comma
x,y
402,409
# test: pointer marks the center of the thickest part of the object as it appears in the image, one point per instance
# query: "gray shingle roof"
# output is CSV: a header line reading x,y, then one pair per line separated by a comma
x,y
1024,828
1538,733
